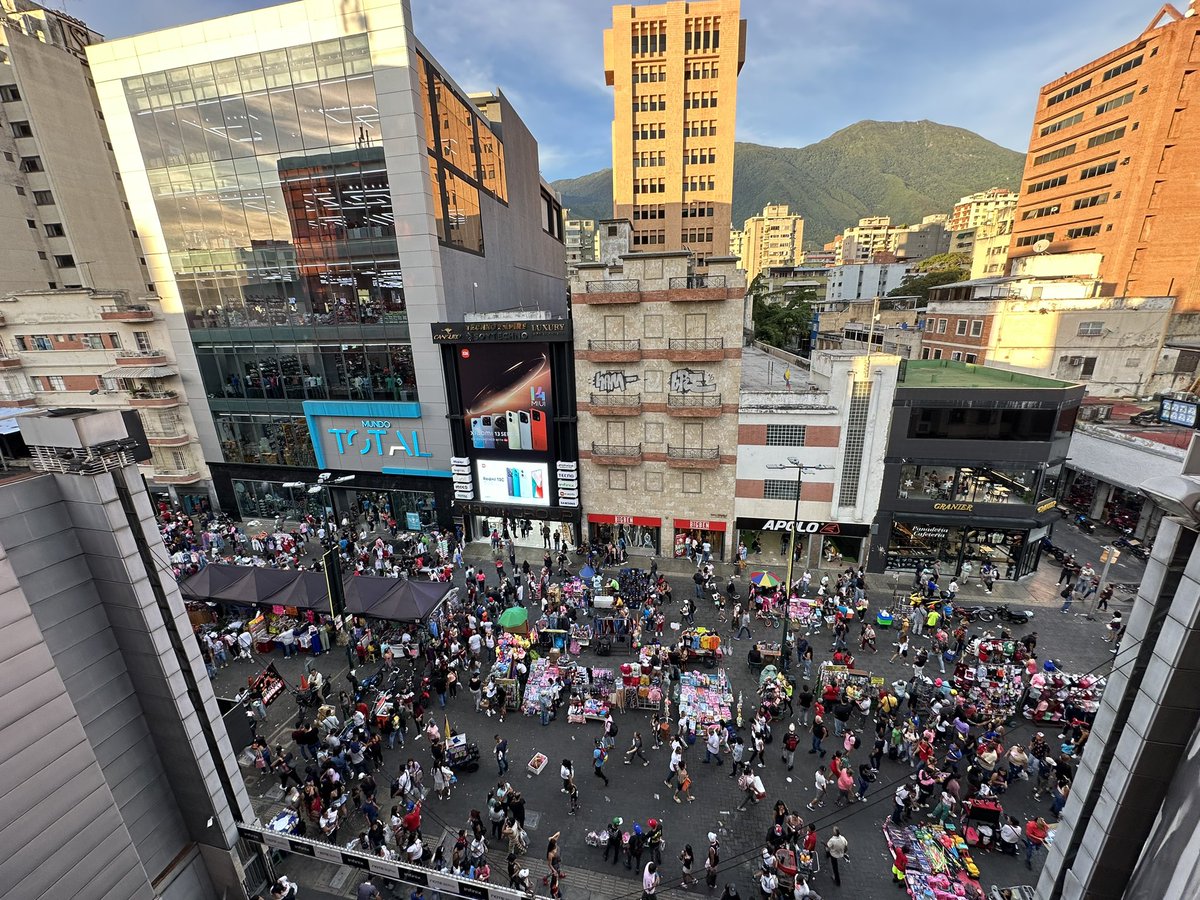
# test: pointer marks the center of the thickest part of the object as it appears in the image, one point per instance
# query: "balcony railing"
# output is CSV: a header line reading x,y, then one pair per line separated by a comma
x,y
616,449
140,354
613,286
693,452
615,345
694,401
616,399
696,344
127,312
696,282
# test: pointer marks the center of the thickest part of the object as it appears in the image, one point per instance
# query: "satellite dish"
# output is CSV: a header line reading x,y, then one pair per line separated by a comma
x,y
1041,246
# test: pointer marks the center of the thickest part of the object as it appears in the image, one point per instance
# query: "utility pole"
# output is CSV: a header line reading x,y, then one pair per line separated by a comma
x,y
1108,556
792,463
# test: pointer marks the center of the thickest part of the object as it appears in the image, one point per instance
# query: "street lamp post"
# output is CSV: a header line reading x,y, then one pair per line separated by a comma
x,y
1110,555
792,463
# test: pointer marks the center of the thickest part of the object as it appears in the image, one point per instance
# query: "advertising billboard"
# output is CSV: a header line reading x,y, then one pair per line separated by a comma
x,y
507,396
387,438
510,481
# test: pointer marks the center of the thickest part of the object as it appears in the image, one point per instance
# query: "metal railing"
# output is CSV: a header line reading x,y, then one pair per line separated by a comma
x,y
693,452
140,354
696,344
615,345
694,401
154,395
696,281
616,449
613,286
616,400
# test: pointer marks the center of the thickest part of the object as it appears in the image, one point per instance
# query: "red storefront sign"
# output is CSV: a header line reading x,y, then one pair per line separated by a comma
x,y
606,519
699,525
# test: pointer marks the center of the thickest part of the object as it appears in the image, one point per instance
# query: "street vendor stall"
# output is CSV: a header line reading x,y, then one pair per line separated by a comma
x,y
641,687
510,648
940,866
702,644
269,682
1057,696
705,699
997,693
855,682
543,684
593,688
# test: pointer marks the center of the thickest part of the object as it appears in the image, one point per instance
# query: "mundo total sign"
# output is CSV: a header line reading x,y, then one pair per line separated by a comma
x,y
386,438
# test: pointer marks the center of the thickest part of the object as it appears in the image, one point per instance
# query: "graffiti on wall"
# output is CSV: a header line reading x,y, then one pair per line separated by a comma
x,y
613,381
692,381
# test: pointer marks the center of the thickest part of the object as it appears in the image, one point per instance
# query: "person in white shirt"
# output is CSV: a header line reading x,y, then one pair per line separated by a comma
x,y
650,881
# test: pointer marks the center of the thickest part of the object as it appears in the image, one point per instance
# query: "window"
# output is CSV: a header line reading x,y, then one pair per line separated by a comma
x,y
42,254
971,357
1123,68
1089,368
941,326
779,489
956,356
1041,211
31,223
54,229
976,327
1106,136
1054,154
616,479
1061,124
1069,92
1096,171
1083,231
8,156
56,383
43,198
64,260
960,327
1089,202
21,129
1047,184
785,435
1110,105
31,164
9,93
1030,239
93,342
1091,329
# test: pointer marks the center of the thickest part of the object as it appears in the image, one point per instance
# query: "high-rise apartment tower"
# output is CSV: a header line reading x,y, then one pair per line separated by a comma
x,y
673,69
1113,164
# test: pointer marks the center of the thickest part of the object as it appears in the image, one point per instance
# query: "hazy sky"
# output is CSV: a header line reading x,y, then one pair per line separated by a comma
x,y
812,66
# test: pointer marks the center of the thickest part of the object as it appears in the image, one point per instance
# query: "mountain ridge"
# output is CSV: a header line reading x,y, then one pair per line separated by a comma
x,y
905,170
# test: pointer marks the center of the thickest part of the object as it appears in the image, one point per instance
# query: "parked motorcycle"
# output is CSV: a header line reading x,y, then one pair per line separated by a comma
x,y
1133,545
974,613
1058,553
1083,522
1015,616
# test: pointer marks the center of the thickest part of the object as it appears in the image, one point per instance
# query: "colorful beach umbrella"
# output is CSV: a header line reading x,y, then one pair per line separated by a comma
x,y
764,580
514,617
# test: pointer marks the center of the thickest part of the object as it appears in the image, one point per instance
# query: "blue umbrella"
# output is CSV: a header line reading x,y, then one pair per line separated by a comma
x,y
587,573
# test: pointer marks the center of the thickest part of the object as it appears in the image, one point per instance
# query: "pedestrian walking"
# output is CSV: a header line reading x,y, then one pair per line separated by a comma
x,y
821,785
599,755
819,733
712,746
683,784
1114,626
501,751
712,860
837,849
790,742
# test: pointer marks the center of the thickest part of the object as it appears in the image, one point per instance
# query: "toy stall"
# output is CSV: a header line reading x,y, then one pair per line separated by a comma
x,y
855,682
940,866
592,689
510,648
543,681
705,698
1056,696
641,687
998,693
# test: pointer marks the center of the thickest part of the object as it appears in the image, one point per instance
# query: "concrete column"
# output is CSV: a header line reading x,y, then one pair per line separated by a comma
x,y
1104,492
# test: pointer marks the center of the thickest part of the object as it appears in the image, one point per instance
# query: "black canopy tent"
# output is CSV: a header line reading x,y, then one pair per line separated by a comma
x,y
397,601
258,585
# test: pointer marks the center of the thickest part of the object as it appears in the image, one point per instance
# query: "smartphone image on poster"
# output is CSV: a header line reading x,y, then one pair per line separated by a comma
x,y
477,433
499,432
513,424
514,483
526,432
526,483
487,432
539,487
537,430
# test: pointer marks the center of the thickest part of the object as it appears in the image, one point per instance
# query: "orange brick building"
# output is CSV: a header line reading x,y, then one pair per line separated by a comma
x,y
1114,164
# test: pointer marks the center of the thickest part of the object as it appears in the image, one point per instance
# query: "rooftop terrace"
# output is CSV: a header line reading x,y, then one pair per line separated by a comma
x,y
923,373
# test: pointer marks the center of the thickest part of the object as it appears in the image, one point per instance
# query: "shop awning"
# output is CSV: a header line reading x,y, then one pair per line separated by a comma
x,y
257,585
140,372
220,582
392,599
1121,463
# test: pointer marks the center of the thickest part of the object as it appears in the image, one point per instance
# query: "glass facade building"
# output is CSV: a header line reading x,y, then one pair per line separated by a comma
x,y
285,191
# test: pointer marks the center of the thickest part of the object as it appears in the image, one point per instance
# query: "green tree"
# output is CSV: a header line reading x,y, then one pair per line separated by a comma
x,y
781,318
944,262
918,285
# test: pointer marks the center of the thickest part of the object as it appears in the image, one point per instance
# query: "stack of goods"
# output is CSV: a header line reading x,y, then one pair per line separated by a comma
x,y
701,640
269,682
575,593
543,681
641,688
854,682
593,687
1060,697
998,692
509,649
939,864
705,699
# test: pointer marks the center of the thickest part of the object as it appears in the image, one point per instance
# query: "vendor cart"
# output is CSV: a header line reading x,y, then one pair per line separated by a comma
x,y
700,645
855,682
790,863
462,753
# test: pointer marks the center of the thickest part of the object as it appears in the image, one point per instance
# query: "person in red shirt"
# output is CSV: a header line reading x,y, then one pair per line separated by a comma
x,y
899,864
810,839
1036,831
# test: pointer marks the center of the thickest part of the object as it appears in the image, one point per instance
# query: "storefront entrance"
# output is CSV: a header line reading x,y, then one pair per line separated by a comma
x,y
637,535
526,532
912,545
711,531
413,510
818,544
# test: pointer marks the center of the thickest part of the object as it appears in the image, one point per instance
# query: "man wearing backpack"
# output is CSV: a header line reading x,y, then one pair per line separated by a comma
x,y
790,742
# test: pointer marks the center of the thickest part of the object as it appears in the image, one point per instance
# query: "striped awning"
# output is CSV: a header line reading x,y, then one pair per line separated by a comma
x,y
140,372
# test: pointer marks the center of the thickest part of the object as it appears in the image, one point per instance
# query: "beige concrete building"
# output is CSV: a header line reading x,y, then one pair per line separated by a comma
x,y
581,240
876,239
981,207
657,370
97,350
737,246
64,221
775,237
673,68
989,245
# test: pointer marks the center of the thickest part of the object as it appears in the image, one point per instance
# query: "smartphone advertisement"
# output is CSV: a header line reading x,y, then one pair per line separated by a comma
x,y
507,481
506,396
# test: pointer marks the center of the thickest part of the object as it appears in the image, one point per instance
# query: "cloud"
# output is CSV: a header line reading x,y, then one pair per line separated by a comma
x,y
812,67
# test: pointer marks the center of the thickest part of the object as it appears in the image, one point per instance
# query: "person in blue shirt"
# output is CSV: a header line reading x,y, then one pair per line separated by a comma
x,y
598,757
